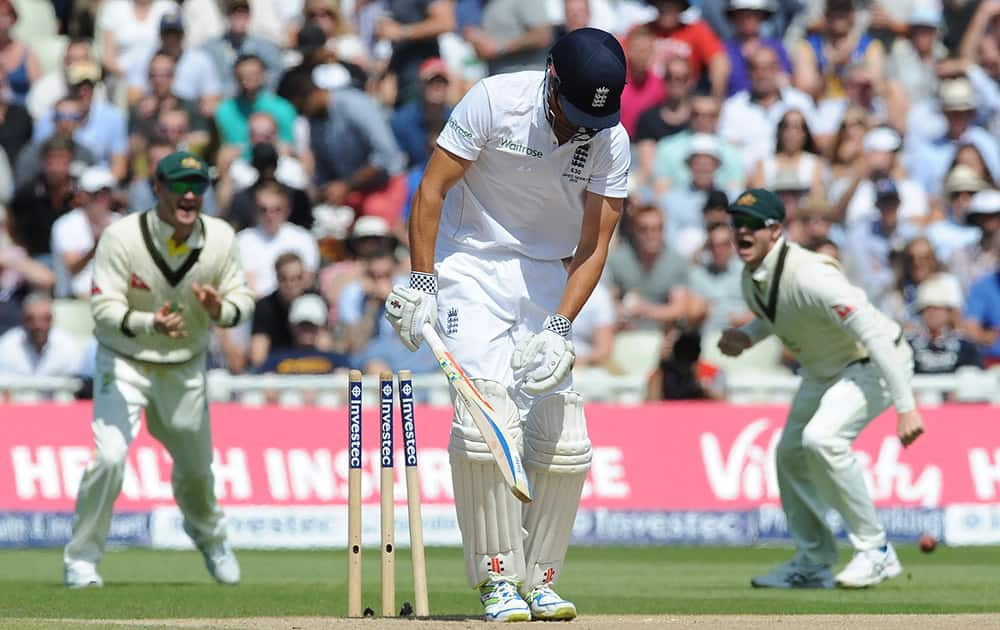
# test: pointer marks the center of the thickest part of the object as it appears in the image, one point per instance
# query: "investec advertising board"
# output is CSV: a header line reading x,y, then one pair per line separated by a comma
x,y
672,473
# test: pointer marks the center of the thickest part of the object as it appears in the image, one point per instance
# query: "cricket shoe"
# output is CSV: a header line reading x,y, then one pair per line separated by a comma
x,y
502,602
547,605
870,567
793,574
81,575
221,563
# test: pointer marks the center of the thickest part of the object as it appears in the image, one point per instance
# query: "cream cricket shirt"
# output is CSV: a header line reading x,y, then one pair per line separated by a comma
x,y
523,191
137,268
826,322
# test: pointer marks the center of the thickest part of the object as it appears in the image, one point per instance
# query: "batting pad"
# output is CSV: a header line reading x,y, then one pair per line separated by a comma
x,y
489,516
557,455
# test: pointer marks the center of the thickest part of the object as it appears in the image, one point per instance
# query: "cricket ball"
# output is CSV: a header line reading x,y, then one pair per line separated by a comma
x,y
927,543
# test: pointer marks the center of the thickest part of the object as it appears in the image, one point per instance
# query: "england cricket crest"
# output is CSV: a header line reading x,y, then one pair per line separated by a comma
x,y
451,323
578,164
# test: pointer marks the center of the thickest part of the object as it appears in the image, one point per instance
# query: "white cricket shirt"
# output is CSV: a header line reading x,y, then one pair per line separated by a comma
x,y
524,192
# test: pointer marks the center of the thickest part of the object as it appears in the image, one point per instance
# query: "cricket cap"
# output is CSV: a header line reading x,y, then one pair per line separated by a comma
x,y
760,203
182,165
589,65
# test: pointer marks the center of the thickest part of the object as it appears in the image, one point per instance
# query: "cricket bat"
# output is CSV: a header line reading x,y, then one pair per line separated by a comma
x,y
483,415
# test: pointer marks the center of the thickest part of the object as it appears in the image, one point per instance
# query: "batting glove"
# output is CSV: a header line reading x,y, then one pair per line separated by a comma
x,y
545,359
407,308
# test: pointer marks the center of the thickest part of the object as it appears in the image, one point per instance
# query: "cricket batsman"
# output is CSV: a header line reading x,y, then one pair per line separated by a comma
x,y
162,278
530,170
855,363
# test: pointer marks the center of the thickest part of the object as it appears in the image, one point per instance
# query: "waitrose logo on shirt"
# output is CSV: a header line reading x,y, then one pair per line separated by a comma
x,y
517,147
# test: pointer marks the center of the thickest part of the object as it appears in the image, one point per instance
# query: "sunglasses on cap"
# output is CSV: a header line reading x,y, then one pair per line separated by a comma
x,y
184,186
739,220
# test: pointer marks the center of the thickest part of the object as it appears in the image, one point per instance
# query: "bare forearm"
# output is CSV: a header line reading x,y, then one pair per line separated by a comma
x,y
424,220
718,74
584,274
538,37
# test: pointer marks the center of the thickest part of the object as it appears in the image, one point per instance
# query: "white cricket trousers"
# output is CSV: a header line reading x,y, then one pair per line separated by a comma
x,y
176,415
817,468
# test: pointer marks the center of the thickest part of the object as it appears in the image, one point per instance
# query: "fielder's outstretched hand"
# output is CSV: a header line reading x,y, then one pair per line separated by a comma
x,y
909,426
733,342
169,322
209,299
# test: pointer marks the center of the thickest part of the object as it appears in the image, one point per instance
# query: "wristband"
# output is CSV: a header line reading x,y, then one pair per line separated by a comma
x,y
558,324
426,282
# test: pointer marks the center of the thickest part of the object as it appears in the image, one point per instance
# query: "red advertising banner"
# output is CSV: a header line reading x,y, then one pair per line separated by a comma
x,y
671,456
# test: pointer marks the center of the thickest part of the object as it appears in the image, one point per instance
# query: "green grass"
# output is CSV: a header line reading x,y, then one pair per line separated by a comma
x,y
162,584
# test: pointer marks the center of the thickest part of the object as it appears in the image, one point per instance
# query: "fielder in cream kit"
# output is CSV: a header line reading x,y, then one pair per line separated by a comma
x,y
162,278
855,364
509,234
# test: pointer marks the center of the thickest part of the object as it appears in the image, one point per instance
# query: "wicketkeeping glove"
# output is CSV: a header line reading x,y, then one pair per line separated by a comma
x,y
545,359
407,308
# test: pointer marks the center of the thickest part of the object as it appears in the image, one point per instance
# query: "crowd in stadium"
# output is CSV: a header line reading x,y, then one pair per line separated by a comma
x,y
876,121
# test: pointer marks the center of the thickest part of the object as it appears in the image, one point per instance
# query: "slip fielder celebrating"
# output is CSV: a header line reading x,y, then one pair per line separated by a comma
x,y
855,363
161,278
530,170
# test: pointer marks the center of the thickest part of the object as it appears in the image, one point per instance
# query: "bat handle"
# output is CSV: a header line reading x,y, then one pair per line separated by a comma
x,y
433,340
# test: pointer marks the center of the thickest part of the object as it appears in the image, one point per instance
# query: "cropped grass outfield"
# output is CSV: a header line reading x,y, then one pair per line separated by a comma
x,y
609,580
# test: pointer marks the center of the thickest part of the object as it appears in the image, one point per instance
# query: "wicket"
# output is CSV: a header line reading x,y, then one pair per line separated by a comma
x,y
386,488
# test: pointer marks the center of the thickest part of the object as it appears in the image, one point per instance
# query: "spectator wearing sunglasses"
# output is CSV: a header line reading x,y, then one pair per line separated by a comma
x,y
67,116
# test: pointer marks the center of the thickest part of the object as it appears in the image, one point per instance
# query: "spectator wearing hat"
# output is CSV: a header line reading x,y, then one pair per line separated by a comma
x,y
194,77
20,62
307,318
683,204
947,228
982,256
938,347
237,42
67,114
747,18
417,124
796,157
645,90
15,122
413,29
872,245
126,28
368,237
76,233
54,85
233,115
39,202
854,197
358,162
670,167
20,275
103,130
749,119
35,348
680,34
929,159
274,235
145,113
515,35
823,57
272,329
